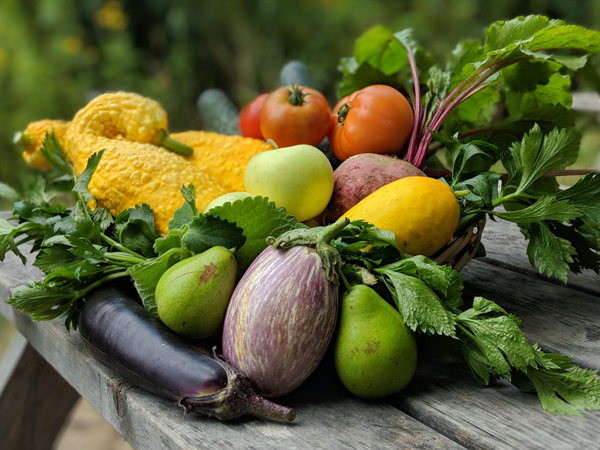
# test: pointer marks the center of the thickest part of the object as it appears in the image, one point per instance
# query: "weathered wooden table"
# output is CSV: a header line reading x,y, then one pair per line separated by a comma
x,y
443,407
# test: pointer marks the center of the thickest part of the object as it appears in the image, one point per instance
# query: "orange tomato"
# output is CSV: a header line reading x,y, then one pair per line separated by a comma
x,y
295,115
376,119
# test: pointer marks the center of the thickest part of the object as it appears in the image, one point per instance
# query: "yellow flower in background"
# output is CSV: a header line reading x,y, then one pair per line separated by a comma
x,y
72,45
111,16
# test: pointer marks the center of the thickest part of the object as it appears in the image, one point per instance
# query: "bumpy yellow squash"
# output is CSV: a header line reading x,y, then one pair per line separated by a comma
x,y
422,212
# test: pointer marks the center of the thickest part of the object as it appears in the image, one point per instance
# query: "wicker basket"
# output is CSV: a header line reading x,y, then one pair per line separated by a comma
x,y
461,249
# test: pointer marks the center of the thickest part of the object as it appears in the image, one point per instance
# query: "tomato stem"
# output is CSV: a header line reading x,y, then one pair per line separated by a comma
x,y
296,95
343,111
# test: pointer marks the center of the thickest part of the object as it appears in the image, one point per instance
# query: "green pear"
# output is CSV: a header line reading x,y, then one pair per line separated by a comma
x,y
375,352
192,296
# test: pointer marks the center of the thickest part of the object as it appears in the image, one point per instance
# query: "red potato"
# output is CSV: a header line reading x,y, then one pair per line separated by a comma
x,y
361,175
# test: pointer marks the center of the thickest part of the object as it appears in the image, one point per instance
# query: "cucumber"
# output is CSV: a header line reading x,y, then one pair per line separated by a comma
x,y
296,72
218,112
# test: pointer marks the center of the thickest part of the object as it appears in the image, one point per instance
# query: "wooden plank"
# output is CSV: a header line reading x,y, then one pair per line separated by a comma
x,y
34,403
328,416
445,396
506,247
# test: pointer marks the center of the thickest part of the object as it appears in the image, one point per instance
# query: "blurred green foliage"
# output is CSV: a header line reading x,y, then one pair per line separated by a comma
x,y
55,55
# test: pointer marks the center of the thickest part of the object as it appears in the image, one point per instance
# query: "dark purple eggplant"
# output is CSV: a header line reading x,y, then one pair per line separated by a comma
x,y
125,337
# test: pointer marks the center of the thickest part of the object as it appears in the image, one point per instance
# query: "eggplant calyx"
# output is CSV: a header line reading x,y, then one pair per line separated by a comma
x,y
308,236
236,399
320,238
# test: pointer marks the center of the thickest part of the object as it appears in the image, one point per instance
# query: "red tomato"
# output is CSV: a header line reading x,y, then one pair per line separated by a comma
x,y
250,118
376,119
295,115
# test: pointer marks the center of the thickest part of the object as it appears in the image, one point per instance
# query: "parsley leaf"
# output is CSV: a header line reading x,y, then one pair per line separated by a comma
x,y
549,252
566,392
420,307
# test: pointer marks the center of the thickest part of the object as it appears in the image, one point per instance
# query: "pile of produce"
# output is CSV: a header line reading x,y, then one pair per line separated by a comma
x,y
258,241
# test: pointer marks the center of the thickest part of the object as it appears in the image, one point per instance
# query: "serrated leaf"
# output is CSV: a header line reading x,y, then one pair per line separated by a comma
x,y
484,186
421,309
501,341
537,154
53,258
42,302
186,213
54,154
546,208
81,185
259,218
566,392
146,276
548,252
584,196
103,218
135,229
208,231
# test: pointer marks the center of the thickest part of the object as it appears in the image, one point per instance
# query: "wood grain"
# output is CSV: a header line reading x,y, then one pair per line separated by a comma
x,y
506,247
34,403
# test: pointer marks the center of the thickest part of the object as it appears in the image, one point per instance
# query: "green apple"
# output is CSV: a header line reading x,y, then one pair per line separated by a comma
x,y
299,178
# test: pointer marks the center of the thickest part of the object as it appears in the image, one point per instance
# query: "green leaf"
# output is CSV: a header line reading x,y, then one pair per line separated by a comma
x,y
186,213
421,309
566,392
55,155
586,246
43,302
381,50
461,153
565,36
477,362
556,92
135,229
170,241
546,208
549,252
103,218
437,277
82,248
81,185
504,35
259,218
584,195
501,341
208,231
9,193
146,276
483,187
465,52
56,257
358,76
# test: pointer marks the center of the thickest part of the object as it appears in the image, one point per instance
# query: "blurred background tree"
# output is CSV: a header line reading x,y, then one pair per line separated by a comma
x,y
55,55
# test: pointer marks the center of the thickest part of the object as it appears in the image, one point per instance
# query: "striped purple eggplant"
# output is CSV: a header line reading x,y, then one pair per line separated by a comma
x,y
280,319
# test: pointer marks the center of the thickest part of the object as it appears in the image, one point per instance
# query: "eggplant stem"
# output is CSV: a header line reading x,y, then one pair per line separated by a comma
x,y
236,399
